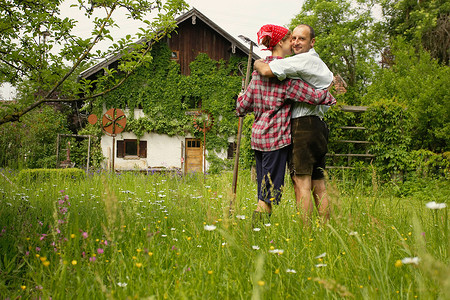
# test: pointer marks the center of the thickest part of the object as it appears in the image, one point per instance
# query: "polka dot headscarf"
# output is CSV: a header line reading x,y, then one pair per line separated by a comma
x,y
274,32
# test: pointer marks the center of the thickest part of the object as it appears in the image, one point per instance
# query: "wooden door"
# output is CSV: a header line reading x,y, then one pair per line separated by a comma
x,y
194,156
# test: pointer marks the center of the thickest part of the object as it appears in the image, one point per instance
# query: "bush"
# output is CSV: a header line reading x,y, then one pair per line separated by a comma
x,y
29,175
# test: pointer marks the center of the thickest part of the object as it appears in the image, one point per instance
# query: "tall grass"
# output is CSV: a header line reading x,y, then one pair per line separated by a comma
x,y
138,236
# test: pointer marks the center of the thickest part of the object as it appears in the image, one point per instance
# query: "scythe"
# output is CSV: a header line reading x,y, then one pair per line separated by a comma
x,y
240,124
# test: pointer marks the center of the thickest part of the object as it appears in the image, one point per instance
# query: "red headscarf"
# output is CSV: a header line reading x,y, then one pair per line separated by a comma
x,y
275,32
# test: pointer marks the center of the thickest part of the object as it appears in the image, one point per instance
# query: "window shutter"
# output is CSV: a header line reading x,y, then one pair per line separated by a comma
x,y
143,149
120,148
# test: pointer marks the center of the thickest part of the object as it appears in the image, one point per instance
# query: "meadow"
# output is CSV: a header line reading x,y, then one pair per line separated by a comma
x,y
134,236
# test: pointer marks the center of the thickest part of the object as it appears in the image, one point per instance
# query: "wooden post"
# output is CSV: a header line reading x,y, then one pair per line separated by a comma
x,y
57,151
88,154
113,153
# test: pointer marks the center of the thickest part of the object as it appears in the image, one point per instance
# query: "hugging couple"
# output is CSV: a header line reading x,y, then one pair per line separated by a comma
x,y
289,98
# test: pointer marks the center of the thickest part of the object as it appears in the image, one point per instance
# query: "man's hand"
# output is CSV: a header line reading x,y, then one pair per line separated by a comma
x,y
263,68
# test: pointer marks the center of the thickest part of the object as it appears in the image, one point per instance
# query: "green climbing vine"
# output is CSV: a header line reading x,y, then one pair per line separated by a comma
x,y
165,96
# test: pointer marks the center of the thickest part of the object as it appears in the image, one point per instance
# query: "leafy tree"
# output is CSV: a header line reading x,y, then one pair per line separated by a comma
x,y
424,23
421,84
32,31
31,143
345,39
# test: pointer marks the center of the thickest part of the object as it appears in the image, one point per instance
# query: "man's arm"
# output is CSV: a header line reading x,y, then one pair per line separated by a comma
x,y
263,68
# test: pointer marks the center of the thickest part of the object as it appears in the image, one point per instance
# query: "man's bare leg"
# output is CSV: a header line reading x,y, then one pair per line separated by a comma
x,y
321,198
302,188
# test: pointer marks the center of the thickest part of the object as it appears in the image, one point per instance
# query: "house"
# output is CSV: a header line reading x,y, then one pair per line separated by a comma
x,y
195,34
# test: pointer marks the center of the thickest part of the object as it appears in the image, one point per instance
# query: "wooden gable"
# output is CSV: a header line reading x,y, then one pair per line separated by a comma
x,y
195,34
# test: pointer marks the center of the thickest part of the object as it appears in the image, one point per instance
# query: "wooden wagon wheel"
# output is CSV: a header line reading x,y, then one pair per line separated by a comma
x,y
203,121
114,121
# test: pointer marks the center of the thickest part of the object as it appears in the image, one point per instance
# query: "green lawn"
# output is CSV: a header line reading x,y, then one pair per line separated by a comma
x,y
131,236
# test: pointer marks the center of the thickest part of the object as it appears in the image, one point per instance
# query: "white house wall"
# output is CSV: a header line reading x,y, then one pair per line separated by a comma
x,y
162,151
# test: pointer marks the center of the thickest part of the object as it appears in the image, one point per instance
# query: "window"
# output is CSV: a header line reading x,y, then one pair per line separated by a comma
x,y
192,102
175,55
193,144
231,150
131,148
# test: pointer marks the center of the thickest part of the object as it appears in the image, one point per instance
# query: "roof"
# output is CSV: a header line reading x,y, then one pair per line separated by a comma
x,y
189,14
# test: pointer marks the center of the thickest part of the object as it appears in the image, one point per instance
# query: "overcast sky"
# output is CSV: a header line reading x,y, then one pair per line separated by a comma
x,y
234,16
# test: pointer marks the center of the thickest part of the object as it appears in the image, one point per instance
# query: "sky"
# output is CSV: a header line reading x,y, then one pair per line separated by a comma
x,y
237,17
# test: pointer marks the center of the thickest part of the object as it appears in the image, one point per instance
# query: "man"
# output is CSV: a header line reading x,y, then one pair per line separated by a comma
x,y
309,132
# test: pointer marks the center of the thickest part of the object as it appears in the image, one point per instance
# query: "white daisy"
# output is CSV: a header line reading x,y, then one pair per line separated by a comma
x,y
210,227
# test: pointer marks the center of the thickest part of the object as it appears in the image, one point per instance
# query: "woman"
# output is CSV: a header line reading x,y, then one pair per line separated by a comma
x,y
271,130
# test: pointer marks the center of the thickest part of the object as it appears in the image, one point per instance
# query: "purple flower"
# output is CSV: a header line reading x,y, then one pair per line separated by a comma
x,y
38,249
84,235
92,258
42,236
100,251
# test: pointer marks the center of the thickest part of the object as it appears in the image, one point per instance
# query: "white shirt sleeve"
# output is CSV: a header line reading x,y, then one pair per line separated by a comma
x,y
306,66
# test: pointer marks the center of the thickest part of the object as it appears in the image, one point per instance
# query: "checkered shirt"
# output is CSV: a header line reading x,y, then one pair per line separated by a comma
x,y
266,98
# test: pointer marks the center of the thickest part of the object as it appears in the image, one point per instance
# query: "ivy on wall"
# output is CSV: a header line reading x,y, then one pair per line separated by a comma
x,y
165,96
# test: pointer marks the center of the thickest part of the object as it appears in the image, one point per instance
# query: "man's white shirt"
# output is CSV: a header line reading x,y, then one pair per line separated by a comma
x,y
312,70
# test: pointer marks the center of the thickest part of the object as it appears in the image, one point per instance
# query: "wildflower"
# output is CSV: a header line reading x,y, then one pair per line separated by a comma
x,y
210,227
434,205
277,251
261,283
291,271
321,255
23,287
267,225
255,247
277,271
42,236
411,260
321,265
72,235
38,249
46,263
150,253
43,258
256,229
84,235
92,259
122,284
210,272
241,217
138,265
100,251
353,233
74,262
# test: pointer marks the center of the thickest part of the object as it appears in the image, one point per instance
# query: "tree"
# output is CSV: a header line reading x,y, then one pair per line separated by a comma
x,y
345,39
32,31
424,23
420,83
